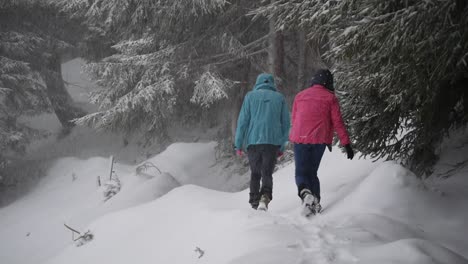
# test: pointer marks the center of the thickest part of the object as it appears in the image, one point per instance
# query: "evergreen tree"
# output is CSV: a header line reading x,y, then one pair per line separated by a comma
x,y
31,51
401,65
179,62
173,60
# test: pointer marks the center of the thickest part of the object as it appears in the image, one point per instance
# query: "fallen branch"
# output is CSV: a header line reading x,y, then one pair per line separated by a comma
x,y
82,238
455,168
71,229
199,251
145,166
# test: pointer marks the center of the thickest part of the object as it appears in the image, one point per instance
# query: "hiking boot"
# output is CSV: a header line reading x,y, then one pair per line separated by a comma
x,y
254,199
309,202
318,208
263,204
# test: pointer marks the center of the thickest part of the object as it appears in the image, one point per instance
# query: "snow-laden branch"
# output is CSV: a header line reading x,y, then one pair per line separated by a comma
x,y
210,88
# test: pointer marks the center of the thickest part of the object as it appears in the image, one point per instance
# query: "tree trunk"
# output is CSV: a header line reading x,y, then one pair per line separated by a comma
x,y
59,97
276,56
271,48
239,99
460,6
301,46
279,55
276,52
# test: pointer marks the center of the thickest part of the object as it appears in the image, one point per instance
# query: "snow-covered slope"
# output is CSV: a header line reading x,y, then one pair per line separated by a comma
x,y
31,229
373,213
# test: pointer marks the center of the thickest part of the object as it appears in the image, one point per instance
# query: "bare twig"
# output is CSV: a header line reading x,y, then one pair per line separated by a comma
x,y
72,84
111,167
456,168
145,166
71,229
199,251
82,237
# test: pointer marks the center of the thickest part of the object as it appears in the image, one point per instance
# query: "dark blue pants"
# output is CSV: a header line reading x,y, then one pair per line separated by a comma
x,y
262,160
307,158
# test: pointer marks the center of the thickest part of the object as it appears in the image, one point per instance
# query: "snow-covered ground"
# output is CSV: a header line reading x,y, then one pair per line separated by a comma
x,y
373,213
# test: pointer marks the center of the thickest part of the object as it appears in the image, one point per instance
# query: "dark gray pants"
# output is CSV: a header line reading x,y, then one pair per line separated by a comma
x,y
262,160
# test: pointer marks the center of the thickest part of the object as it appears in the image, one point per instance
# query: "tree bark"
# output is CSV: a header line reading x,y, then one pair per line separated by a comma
x,y
301,46
239,99
276,55
59,97
279,55
276,52
271,48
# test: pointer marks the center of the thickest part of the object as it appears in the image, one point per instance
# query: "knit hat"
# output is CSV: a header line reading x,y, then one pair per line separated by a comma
x,y
323,77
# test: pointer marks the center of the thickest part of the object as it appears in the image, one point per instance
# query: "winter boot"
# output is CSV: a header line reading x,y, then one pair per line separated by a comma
x,y
309,202
254,199
264,201
318,207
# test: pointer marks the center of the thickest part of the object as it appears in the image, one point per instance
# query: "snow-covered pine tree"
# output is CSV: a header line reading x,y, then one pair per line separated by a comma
x,y
31,49
171,61
22,91
210,88
140,89
402,66
174,61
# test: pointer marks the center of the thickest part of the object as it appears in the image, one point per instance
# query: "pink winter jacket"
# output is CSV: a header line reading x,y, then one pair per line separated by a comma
x,y
315,115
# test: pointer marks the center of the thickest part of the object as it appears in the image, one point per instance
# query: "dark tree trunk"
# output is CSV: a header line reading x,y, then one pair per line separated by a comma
x,y
460,4
301,45
276,52
239,99
59,97
279,55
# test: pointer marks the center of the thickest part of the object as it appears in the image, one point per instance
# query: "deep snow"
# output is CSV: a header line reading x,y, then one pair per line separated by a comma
x,y
373,213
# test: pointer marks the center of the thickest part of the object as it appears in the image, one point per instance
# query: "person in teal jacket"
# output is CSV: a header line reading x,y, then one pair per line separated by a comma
x,y
262,130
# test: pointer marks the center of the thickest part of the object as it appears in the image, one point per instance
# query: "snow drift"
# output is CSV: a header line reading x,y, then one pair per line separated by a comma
x,y
373,213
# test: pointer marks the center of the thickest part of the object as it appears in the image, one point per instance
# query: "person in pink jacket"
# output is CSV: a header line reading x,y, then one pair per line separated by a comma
x,y
315,116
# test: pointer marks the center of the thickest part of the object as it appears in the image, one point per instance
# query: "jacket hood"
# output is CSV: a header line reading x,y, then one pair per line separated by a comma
x,y
323,77
265,81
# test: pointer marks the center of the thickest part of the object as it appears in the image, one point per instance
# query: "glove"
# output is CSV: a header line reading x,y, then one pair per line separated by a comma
x,y
239,152
280,154
349,151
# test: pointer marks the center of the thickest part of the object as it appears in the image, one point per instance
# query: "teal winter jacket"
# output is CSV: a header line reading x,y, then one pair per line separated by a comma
x,y
264,116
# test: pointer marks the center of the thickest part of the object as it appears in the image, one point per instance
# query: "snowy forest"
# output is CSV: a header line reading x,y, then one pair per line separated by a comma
x,y
167,71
